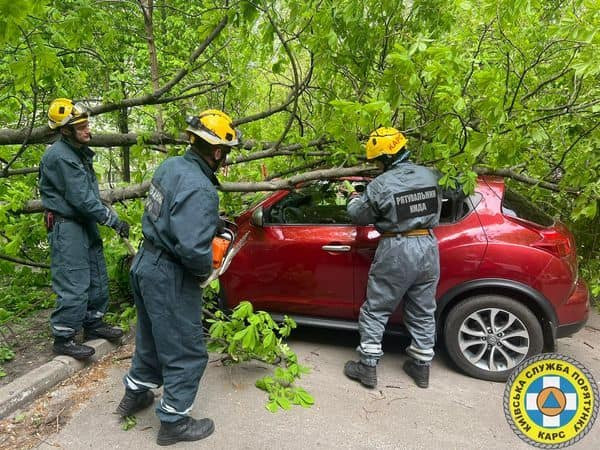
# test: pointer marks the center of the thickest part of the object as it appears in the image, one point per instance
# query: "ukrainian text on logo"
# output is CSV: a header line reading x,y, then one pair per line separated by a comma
x,y
551,401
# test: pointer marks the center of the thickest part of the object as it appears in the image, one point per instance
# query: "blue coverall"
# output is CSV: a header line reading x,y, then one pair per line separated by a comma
x,y
179,223
69,188
403,198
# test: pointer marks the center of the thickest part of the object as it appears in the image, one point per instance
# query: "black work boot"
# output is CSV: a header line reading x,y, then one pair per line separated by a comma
x,y
418,372
103,331
186,429
133,402
367,375
67,346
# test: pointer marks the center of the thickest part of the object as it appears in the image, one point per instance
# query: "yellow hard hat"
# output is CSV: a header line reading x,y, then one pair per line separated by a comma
x,y
385,141
63,112
214,127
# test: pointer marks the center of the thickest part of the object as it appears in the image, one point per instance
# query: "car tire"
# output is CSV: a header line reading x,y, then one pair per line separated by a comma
x,y
491,351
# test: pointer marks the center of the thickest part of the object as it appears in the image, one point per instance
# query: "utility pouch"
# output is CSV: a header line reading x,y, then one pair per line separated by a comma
x,y
49,220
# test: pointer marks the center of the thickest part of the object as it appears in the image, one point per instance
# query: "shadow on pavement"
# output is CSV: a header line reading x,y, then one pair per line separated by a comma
x,y
392,344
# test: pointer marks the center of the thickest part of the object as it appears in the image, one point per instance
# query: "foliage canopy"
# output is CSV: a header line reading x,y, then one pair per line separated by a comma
x,y
506,87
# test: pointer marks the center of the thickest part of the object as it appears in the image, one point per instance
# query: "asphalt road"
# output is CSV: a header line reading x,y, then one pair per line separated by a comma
x,y
455,412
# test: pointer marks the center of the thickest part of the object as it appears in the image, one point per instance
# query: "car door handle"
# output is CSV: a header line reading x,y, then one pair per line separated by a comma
x,y
336,248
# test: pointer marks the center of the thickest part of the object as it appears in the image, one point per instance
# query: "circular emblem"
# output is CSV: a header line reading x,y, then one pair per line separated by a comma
x,y
551,401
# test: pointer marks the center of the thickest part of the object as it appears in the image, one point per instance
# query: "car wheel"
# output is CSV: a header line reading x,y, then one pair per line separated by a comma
x,y
487,336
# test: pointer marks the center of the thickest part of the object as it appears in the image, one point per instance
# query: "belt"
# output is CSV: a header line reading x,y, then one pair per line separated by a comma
x,y
62,219
149,246
410,233
51,218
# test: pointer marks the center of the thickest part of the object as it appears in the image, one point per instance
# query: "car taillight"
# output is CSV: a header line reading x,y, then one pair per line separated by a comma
x,y
554,242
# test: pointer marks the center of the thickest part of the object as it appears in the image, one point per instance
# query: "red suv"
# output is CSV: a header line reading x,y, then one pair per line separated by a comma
x,y
509,284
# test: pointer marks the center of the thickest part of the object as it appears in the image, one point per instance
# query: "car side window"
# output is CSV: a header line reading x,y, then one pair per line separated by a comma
x,y
321,202
456,205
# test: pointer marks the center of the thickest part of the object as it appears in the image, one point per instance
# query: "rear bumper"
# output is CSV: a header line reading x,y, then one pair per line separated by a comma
x,y
570,329
574,313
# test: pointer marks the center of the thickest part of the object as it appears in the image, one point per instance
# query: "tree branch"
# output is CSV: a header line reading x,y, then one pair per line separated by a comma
x,y
310,165
199,50
470,74
43,133
508,173
287,150
291,97
551,79
139,190
23,262
24,171
564,155
34,88
296,88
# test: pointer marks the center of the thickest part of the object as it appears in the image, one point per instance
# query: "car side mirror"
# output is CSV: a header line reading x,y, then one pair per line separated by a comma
x,y
257,217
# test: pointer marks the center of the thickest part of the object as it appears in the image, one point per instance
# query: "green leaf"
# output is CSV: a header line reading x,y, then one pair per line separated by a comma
x,y
129,422
243,310
216,330
304,398
272,406
283,402
269,340
249,339
6,354
240,335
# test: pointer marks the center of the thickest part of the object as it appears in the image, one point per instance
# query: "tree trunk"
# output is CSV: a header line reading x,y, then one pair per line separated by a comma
x,y
147,11
124,128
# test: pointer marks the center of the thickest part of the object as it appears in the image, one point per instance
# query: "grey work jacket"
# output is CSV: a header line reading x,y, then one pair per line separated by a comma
x,y
404,197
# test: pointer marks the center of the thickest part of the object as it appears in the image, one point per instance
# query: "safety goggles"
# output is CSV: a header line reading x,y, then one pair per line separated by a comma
x,y
197,127
78,114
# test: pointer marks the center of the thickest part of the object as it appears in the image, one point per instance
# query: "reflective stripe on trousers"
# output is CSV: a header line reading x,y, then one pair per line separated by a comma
x,y
79,277
403,267
169,343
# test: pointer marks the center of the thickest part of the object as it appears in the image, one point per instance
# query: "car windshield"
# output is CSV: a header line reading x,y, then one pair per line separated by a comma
x,y
515,205
320,202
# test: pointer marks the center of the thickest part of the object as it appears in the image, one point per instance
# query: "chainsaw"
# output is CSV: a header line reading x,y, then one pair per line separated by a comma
x,y
224,249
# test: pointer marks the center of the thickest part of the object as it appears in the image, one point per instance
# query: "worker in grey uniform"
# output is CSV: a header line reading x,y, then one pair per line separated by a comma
x,y
404,203
179,223
69,191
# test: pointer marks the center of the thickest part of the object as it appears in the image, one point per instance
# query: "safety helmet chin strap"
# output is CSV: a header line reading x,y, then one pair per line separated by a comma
x,y
390,160
71,137
208,156
403,156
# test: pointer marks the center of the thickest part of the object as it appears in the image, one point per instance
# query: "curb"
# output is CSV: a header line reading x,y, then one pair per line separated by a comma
x,y
29,386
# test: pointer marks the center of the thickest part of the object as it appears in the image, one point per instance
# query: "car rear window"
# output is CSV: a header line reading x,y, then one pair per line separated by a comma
x,y
515,205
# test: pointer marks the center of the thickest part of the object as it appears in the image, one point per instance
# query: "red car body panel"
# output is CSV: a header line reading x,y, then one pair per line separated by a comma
x,y
294,274
283,267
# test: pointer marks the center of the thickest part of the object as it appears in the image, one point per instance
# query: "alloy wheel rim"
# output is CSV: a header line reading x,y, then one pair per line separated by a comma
x,y
493,339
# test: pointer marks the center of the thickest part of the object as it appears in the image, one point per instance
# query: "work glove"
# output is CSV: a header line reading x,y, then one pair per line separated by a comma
x,y
122,228
348,190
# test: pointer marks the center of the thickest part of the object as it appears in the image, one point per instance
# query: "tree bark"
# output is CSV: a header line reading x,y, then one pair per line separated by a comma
x,y
125,153
24,262
139,190
148,12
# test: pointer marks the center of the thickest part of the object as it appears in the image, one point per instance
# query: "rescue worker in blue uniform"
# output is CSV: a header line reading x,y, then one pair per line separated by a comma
x,y
404,203
69,191
179,223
